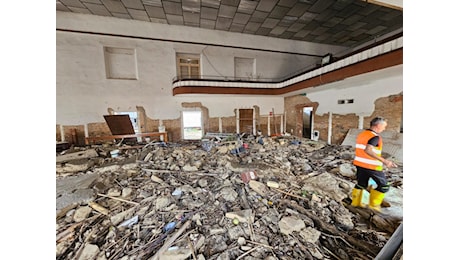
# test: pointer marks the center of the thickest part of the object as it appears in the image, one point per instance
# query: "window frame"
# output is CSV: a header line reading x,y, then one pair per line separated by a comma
x,y
189,65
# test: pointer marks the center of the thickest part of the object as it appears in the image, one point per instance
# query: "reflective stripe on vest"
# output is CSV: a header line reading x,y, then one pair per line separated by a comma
x,y
362,159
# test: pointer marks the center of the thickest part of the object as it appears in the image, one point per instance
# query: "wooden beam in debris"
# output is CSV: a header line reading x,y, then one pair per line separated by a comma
x,y
331,229
381,221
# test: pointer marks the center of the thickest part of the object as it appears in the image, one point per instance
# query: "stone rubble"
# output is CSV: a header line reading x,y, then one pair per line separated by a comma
x,y
188,201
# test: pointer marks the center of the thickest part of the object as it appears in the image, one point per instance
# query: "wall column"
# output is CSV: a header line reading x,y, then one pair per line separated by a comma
x,y
237,120
329,129
361,122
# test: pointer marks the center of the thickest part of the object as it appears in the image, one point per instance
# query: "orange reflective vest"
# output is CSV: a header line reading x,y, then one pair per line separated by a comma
x,y
362,159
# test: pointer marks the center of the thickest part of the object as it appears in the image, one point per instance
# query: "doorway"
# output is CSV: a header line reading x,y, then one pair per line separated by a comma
x,y
246,120
192,125
307,122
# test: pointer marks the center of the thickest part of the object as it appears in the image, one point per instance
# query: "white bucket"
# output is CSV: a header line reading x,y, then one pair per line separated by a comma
x,y
315,135
114,153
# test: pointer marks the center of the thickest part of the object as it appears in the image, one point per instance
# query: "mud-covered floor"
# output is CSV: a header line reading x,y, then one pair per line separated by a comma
x,y
269,198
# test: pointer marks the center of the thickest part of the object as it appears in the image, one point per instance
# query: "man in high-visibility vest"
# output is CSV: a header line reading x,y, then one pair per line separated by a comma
x,y
369,164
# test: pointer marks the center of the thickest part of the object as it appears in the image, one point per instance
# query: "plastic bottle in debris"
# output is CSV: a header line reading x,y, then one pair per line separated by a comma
x,y
130,222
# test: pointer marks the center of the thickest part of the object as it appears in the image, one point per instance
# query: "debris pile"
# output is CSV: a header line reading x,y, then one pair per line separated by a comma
x,y
253,198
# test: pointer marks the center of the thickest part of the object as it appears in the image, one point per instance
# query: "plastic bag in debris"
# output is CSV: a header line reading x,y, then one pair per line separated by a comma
x,y
260,141
130,222
238,150
169,226
177,193
296,142
206,145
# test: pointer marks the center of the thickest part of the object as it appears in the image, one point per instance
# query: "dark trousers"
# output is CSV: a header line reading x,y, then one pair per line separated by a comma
x,y
363,175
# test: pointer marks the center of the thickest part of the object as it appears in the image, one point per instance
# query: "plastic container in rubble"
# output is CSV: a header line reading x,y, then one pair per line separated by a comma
x,y
373,183
114,153
206,145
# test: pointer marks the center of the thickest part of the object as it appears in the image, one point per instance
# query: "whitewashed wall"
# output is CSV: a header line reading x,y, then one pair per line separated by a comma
x,y
363,89
84,94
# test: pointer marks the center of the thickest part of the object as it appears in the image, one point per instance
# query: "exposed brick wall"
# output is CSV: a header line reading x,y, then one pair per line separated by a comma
x,y
229,124
294,108
98,129
389,107
58,133
213,125
321,124
174,129
262,125
142,120
340,126
151,125
79,138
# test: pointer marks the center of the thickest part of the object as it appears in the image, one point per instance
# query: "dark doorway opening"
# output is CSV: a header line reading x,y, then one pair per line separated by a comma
x,y
307,117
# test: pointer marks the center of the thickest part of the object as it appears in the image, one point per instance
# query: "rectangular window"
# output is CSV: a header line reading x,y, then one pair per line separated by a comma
x,y
188,66
192,125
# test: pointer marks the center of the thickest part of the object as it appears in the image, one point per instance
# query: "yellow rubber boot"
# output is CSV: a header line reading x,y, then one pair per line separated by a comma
x,y
375,199
357,197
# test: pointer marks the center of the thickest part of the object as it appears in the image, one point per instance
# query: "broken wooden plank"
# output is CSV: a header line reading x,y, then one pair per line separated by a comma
x,y
387,223
115,198
292,195
68,233
98,208
331,229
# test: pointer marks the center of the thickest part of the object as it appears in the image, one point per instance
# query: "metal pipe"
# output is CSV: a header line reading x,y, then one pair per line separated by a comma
x,y
392,246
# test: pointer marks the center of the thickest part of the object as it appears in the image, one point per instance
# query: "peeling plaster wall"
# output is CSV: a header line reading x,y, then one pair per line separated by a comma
x,y
363,89
375,94
84,93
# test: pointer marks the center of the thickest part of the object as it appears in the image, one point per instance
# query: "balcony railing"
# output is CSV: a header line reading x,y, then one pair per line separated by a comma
x,y
313,70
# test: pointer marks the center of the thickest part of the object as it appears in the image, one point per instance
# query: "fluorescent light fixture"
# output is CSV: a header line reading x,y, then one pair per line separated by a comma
x,y
326,59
